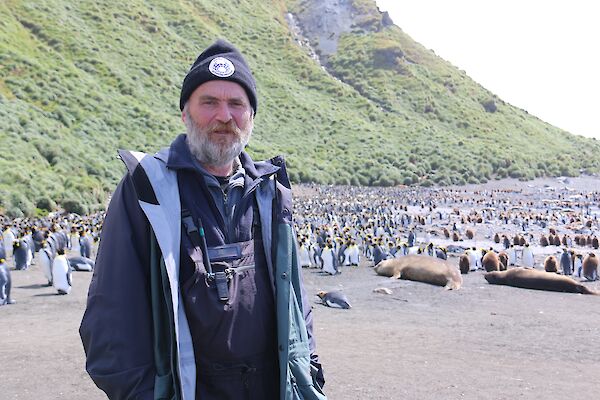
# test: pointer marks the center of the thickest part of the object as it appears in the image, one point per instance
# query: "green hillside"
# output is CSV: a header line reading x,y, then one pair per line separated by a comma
x,y
80,79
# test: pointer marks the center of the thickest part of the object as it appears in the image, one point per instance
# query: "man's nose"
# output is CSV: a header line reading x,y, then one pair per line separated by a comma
x,y
223,113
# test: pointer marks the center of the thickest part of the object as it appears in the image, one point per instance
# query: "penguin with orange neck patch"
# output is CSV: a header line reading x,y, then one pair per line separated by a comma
x,y
334,299
61,273
5,284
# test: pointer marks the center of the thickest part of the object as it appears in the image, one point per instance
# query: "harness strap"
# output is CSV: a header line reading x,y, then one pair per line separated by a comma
x,y
202,255
199,255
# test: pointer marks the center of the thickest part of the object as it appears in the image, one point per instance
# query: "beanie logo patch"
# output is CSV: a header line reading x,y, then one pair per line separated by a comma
x,y
221,67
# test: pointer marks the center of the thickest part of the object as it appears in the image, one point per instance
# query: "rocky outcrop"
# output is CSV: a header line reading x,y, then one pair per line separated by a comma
x,y
322,22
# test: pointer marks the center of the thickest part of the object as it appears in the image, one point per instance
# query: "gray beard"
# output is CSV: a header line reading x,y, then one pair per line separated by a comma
x,y
210,153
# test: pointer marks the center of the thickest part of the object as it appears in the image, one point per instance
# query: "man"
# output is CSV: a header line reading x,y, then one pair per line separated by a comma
x,y
196,291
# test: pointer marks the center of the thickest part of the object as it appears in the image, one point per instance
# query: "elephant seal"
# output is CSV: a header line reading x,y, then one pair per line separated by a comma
x,y
527,278
421,269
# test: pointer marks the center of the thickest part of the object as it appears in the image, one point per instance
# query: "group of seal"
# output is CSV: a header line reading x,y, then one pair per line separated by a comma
x,y
432,270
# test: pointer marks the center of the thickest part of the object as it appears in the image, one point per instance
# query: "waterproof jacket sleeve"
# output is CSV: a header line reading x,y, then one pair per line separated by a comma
x,y
116,329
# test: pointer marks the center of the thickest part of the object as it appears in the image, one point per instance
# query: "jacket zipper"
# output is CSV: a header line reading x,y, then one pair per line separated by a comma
x,y
250,191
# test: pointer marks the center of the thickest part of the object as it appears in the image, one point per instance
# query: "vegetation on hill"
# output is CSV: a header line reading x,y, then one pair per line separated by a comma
x,y
80,79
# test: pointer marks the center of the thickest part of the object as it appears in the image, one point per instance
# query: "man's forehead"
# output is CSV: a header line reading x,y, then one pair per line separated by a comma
x,y
221,89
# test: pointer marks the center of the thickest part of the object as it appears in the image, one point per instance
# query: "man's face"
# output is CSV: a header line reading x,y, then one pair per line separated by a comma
x,y
219,122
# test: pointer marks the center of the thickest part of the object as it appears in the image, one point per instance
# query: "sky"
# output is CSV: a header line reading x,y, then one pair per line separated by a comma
x,y
541,56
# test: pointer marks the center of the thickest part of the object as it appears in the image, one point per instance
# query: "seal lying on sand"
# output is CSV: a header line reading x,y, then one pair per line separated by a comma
x,y
533,279
421,269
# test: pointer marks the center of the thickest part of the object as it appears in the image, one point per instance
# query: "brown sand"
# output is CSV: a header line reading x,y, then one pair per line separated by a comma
x,y
420,342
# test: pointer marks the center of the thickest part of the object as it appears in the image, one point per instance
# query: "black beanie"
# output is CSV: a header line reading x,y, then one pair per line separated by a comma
x,y
219,61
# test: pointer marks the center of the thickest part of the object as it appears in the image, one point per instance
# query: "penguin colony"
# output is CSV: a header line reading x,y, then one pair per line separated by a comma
x,y
351,227
56,245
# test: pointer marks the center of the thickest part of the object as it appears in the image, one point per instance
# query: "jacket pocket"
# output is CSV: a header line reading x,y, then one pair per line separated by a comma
x,y
301,380
163,387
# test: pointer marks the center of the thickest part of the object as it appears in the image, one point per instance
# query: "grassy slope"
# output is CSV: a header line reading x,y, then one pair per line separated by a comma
x,y
80,79
452,137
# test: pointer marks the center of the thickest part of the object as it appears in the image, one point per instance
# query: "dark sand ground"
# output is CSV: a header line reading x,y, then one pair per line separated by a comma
x,y
421,342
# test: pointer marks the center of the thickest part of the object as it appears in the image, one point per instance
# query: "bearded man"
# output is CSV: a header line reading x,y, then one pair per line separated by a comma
x,y
196,292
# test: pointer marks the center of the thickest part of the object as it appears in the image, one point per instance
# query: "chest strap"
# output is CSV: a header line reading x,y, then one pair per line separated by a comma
x,y
203,256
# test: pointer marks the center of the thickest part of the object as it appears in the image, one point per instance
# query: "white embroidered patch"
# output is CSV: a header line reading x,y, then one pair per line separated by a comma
x,y
221,67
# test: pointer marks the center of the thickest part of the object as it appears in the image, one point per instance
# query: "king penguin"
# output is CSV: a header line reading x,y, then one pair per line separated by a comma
x,y
85,245
5,284
335,299
21,254
79,263
61,273
8,238
46,258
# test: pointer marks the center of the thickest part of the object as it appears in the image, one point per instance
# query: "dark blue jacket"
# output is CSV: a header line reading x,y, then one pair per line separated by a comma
x,y
124,308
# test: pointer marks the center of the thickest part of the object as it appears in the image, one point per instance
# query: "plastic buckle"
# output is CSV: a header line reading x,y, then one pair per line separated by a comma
x,y
222,286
